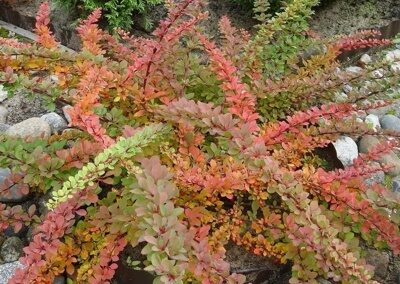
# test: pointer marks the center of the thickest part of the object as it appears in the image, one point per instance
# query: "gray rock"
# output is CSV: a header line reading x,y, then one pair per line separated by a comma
x,y
367,142
366,59
347,88
380,260
15,193
390,122
341,97
377,74
7,270
396,184
3,94
393,55
323,281
56,122
373,120
59,280
346,150
378,177
354,69
395,67
240,259
54,78
32,127
20,107
11,250
3,114
64,109
3,127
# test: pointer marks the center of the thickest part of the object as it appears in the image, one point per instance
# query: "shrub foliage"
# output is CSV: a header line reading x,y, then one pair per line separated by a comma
x,y
183,146
119,13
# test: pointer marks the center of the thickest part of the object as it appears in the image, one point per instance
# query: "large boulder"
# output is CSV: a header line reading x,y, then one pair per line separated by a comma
x,y
32,127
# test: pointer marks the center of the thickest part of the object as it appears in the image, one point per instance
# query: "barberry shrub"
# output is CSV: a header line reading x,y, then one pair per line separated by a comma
x,y
182,146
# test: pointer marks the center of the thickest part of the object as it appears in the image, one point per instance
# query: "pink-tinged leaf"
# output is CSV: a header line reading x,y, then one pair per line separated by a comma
x,y
32,210
81,212
17,227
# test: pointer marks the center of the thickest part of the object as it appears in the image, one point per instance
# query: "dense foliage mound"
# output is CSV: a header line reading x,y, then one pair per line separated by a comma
x,y
185,146
119,13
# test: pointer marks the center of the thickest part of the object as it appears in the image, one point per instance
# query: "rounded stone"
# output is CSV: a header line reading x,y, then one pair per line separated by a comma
x,y
341,97
11,250
59,280
347,88
323,281
393,55
56,122
366,59
396,184
395,67
367,142
3,114
373,121
354,69
379,73
390,122
346,150
33,127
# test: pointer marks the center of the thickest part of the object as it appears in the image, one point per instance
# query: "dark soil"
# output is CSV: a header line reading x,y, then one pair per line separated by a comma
x,y
347,16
